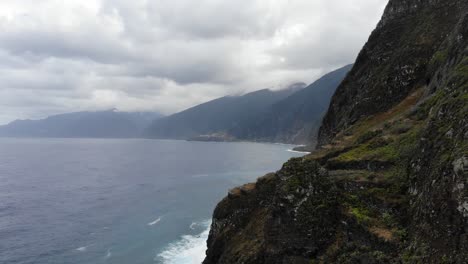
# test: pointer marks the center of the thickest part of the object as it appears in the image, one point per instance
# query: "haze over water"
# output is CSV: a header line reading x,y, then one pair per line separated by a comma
x,y
118,201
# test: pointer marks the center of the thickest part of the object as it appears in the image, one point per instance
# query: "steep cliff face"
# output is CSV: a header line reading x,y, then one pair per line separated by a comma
x,y
298,215
253,226
389,183
438,172
394,61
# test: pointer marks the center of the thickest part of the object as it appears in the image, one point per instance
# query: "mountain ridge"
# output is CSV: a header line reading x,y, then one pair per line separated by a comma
x,y
215,116
99,124
296,119
288,116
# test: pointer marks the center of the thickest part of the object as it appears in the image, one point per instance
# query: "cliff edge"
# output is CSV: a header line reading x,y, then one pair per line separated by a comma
x,y
389,181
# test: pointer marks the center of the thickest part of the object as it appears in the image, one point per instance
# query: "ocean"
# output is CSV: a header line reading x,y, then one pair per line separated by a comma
x,y
83,201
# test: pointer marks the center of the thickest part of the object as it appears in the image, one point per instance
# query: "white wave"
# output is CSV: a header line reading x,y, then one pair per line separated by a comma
x,y
154,222
188,250
295,151
282,144
192,225
108,254
82,249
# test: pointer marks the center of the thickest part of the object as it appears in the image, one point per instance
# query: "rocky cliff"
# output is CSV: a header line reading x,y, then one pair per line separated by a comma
x,y
394,62
389,182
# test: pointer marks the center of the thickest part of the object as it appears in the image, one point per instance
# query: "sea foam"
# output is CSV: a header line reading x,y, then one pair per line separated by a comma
x,y
296,151
192,225
154,222
189,249
82,249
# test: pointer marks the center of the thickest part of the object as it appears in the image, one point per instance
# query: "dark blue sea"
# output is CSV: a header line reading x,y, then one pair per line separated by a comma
x,y
118,201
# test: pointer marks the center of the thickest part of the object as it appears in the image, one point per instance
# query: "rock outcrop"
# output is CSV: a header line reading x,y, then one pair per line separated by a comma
x,y
393,63
389,181
253,226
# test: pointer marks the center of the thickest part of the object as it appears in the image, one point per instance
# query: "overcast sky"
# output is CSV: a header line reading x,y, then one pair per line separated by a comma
x,y
166,55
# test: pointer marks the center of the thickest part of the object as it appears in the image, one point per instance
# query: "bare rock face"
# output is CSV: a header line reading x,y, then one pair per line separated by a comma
x,y
389,183
394,61
439,178
290,215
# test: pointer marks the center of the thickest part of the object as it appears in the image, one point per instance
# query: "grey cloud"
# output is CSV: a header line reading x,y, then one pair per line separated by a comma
x,y
199,19
167,55
244,18
85,45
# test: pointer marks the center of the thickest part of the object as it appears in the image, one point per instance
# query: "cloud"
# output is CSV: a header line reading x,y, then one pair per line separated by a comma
x,y
167,55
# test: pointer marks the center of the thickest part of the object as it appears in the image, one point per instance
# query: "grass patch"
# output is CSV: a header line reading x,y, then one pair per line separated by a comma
x,y
394,146
367,128
368,136
366,152
439,58
362,215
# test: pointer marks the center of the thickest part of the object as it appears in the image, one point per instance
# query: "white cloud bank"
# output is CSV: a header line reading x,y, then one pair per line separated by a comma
x,y
166,55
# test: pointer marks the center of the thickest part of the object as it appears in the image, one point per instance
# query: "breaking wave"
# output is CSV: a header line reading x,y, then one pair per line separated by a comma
x,y
189,249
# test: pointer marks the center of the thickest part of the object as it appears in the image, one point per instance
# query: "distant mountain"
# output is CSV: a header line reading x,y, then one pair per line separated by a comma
x,y
295,119
218,116
101,124
291,116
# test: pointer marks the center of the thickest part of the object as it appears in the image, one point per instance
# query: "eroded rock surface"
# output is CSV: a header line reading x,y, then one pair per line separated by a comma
x,y
389,181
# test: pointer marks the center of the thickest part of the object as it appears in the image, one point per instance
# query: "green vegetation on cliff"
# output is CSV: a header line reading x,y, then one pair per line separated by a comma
x,y
389,183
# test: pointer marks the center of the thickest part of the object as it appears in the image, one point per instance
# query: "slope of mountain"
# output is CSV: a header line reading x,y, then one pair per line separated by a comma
x,y
295,119
218,116
289,116
101,124
389,182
